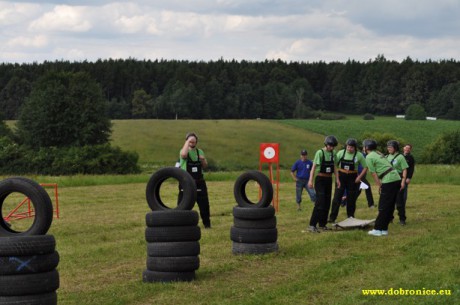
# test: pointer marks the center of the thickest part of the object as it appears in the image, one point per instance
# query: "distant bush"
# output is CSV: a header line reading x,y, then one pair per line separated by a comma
x,y
95,159
382,140
331,117
368,116
415,112
444,150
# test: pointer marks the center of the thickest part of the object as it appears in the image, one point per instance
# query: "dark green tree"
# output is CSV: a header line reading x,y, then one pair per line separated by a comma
x,y
415,112
444,150
64,109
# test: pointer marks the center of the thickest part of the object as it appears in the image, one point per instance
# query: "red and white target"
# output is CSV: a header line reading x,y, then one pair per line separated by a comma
x,y
269,152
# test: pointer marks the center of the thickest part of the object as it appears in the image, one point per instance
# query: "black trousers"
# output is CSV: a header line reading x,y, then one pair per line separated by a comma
x,y
369,197
401,204
388,194
323,188
347,182
202,200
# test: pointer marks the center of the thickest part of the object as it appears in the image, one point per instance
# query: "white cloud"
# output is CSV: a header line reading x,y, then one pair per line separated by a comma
x,y
38,41
63,18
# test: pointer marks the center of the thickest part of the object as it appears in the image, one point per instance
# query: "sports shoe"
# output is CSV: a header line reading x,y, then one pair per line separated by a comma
x,y
331,220
384,232
371,206
402,222
325,228
375,232
313,229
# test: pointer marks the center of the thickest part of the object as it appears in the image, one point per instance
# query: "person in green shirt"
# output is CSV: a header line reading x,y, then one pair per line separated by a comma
x,y
389,183
398,161
348,160
193,160
324,165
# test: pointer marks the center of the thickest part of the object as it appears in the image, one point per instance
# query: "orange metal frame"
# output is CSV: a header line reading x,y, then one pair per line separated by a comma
x,y
14,215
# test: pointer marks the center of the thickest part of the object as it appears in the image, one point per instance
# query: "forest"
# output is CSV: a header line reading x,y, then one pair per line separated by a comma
x,y
270,89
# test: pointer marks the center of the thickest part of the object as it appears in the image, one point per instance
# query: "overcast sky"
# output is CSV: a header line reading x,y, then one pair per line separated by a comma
x,y
254,30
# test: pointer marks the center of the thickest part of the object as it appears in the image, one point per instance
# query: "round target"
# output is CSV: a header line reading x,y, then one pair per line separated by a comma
x,y
269,152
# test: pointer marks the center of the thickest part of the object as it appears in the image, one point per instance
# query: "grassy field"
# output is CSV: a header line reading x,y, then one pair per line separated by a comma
x,y
100,238
418,133
100,235
234,144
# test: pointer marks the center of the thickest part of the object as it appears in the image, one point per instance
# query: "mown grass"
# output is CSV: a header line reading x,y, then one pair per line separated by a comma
x,y
100,238
228,144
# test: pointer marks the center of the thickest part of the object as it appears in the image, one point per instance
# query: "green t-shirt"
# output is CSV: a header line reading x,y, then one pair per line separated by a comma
x,y
359,159
399,162
377,163
193,155
327,157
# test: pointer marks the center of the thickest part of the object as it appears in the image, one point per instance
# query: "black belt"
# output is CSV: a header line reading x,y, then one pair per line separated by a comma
x,y
385,173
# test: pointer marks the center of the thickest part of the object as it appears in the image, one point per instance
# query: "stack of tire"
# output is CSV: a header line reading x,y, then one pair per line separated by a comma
x,y
254,223
28,259
172,235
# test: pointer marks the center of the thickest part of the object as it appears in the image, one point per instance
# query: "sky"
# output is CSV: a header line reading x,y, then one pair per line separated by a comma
x,y
209,30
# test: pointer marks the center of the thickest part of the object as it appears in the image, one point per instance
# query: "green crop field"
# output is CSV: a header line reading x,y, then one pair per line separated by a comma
x,y
234,144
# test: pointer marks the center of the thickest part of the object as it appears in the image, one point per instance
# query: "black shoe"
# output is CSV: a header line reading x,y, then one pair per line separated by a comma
x,y
331,220
402,222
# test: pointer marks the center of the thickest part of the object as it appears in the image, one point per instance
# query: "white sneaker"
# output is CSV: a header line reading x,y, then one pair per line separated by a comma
x,y
384,232
375,232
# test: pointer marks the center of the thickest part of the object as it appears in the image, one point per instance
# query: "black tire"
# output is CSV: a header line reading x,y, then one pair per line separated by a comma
x,y
27,245
173,264
10,265
268,223
25,284
239,189
253,236
180,248
185,180
167,234
171,218
149,276
33,299
43,207
244,248
251,213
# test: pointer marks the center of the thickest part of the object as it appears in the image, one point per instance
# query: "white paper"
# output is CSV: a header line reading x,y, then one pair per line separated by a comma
x,y
363,186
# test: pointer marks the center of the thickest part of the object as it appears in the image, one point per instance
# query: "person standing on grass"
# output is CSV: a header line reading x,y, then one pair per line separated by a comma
x,y
369,196
399,163
389,183
324,165
193,160
300,172
348,160
410,172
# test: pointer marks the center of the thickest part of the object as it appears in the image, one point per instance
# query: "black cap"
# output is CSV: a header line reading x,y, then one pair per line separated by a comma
x,y
303,152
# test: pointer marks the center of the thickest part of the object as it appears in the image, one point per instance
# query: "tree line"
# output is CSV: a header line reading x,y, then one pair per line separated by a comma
x,y
270,89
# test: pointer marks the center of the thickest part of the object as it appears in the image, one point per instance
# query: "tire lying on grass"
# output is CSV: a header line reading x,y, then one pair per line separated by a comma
x,y
33,299
253,213
245,248
171,218
179,248
253,236
173,264
159,276
185,181
40,200
239,189
27,245
10,265
33,283
177,233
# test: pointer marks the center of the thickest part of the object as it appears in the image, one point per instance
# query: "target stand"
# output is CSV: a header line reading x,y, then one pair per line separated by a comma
x,y
269,154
